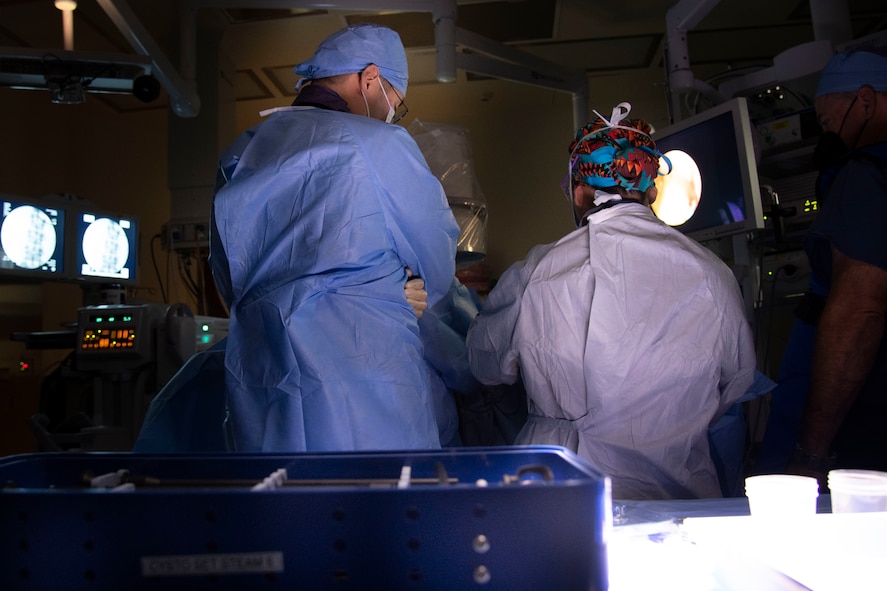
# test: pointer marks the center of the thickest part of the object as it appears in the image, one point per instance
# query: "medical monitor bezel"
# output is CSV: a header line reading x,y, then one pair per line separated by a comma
x,y
79,226
59,217
745,164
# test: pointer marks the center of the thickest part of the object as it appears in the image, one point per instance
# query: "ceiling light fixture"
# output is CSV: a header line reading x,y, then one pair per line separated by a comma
x,y
66,89
67,7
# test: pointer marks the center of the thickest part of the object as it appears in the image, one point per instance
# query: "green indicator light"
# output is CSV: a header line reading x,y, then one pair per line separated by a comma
x,y
205,328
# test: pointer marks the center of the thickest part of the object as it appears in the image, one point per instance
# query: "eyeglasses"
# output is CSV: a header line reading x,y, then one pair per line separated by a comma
x,y
567,183
401,109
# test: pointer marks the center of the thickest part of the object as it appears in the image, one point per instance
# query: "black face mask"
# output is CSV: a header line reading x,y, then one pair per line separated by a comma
x,y
830,149
829,153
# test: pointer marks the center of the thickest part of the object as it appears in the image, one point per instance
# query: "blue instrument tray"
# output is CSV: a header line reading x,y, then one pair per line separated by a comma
x,y
512,518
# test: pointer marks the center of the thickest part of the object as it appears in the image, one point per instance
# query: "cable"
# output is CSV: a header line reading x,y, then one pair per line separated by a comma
x,y
752,421
157,269
185,274
752,424
202,304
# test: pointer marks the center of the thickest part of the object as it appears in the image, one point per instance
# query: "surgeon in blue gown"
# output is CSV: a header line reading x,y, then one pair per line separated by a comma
x,y
323,210
189,413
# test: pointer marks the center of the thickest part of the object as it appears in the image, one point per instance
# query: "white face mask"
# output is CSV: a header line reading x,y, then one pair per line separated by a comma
x,y
390,116
390,108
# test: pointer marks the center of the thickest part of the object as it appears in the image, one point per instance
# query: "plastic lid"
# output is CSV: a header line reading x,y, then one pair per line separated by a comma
x,y
782,484
860,481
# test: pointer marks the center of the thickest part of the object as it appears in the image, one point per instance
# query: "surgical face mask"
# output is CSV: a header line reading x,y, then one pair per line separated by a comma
x,y
831,148
390,116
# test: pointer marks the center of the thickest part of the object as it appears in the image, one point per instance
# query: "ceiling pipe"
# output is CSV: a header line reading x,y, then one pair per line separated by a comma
x,y
518,66
832,27
444,16
182,93
794,62
188,42
679,19
521,67
361,5
831,21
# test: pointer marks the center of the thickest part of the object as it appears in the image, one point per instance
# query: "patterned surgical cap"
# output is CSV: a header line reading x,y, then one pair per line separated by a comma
x,y
615,153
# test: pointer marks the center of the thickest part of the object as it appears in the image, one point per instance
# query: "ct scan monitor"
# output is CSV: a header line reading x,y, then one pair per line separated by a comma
x,y
106,247
32,239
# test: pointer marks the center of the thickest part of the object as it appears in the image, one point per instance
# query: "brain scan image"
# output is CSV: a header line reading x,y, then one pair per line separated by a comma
x,y
28,237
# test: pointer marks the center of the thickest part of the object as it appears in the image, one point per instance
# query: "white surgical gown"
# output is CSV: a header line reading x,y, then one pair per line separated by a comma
x,y
630,339
321,214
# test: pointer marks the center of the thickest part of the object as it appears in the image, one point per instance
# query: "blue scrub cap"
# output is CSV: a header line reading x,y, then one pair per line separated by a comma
x,y
354,48
846,72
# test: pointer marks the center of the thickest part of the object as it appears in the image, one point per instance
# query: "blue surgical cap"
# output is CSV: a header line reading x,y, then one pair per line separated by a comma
x,y
354,48
846,72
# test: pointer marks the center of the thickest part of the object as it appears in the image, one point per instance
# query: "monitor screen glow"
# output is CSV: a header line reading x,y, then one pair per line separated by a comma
x,y
713,189
32,238
106,248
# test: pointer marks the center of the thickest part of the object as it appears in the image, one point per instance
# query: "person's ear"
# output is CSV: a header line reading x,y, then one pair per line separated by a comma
x,y
369,75
578,194
583,197
652,193
868,97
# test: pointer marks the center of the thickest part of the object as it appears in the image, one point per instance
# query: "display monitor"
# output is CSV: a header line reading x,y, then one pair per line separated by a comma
x,y
106,247
712,190
32,238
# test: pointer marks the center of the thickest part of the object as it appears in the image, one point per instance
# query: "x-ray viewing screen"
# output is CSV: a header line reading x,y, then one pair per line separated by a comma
x,y
106,247
712,190
32,239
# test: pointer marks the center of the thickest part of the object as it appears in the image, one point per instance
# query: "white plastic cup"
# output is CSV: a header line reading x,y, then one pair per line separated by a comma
x,y
781,496
858,491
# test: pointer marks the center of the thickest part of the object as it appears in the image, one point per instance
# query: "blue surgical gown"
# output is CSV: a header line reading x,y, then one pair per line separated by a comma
x,y
188,414
443,327
318,218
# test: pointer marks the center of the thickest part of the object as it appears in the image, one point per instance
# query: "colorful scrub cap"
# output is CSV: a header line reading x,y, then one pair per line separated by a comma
x,y
618,152
354,48
846,72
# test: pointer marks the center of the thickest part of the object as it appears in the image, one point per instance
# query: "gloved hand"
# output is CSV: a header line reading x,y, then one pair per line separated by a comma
x,y
417,297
